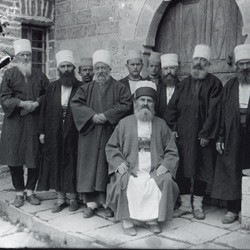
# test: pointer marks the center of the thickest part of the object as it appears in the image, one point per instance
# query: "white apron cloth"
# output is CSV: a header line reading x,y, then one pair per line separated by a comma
x,y
143,193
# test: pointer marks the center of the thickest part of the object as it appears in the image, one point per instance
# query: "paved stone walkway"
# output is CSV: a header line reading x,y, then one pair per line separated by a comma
x,y
70,229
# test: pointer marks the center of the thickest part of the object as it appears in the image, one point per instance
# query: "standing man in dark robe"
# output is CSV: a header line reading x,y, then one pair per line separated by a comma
x,y
21,93
59,135
134,66
143,160
97,107
169,79
86,69
154,68
193,115
233,143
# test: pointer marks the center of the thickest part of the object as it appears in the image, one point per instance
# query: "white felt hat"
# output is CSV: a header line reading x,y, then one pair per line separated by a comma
x,y
202,50
103,56
64,56
155,56
134,54
242,52
168,60
86,61
145,88
22,45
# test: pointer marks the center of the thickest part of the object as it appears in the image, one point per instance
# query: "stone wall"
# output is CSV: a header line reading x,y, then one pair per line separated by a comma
x,y
35,12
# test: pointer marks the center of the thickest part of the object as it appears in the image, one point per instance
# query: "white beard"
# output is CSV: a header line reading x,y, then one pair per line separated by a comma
x,y
25,68
144,114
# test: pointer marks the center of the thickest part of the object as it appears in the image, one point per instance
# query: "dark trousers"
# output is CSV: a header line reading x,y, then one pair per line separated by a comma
x,y
234,206
17,175
185,186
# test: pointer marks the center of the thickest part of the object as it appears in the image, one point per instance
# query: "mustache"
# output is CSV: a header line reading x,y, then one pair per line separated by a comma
x,y
145,107
197,66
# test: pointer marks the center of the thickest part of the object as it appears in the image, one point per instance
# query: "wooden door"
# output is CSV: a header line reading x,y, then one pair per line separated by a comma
x,y
186,23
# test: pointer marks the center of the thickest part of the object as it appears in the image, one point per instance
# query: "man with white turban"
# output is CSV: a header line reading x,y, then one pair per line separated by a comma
x,y
193,115
143,160
233,142
21,93
97,107
59,135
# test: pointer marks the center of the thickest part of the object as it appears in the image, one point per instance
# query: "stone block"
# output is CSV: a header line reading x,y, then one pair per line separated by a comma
x,y
195,233
246,185
235,240
96,3
113,235
245,222
6,228
84,16
91,29
107,28
64,7
245,205
65,20
101,14
79,5
61,34
79,241
77,32
154,242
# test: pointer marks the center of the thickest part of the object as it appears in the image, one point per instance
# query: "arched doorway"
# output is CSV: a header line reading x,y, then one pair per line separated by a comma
x,y
186,23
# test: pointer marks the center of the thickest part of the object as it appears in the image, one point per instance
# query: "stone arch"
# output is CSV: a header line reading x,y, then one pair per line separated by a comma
x,y
153,11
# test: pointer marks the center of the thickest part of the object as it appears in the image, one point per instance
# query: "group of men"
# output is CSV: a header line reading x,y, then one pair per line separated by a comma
x,y
131,146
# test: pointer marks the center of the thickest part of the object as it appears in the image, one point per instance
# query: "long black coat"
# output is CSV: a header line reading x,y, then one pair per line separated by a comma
x,y
229,165
58,165
193,117
19,139
114,103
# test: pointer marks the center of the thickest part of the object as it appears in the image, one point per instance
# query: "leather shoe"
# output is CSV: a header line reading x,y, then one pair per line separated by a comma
x,y
33,200
154,228
108,212
73,206
59,207
199,214
19,201
229,217
131,231
178,213
88,212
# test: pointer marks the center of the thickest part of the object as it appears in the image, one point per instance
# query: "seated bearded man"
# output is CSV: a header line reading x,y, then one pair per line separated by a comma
x,y
143,160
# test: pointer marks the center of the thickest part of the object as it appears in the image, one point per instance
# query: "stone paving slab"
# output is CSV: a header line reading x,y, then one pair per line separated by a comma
x,y
155,242
21,240
211,245
77,224
235,239
195,233
113,235
6,228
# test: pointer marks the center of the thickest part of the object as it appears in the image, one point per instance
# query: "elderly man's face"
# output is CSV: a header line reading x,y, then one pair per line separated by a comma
x,y
144,108
24,57
199,68
134,67
86,73
243,71
102,72
154,68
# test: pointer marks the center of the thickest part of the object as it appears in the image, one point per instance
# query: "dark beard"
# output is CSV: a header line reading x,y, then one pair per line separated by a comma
x,y
243,75
169,80
67,79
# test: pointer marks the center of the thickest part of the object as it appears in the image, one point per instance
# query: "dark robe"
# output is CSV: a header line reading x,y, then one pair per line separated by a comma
x,y
196,115
229,165
123,147
114,103
19,139
161,101
58,165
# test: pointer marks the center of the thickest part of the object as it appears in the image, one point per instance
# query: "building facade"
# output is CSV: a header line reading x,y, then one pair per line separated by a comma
x,y
84,26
